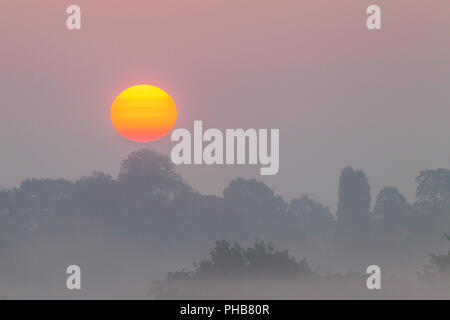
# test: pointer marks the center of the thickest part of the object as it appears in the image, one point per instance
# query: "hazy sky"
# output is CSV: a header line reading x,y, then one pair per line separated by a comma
x,y
340,94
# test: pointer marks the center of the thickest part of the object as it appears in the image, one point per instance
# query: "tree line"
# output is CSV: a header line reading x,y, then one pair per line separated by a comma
x,y
151,209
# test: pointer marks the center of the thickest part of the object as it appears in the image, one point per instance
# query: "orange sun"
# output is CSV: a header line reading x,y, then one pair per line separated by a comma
x,y
143,113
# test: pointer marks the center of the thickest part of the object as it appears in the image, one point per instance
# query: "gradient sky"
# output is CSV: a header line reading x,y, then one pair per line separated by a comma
x,y
340,94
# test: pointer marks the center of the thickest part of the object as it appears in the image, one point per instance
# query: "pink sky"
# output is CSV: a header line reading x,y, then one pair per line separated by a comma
x,y
340,94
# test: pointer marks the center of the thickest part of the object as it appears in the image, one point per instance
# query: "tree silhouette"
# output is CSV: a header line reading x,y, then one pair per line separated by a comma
x,y
148,211
262,258
392,209
314,218
232,263
96,192
251,195
437,273
432,207
225,260
353,209
265,213
152,174
433,192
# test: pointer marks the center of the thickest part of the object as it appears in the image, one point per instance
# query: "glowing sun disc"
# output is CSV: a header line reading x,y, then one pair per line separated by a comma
x,y
143,113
